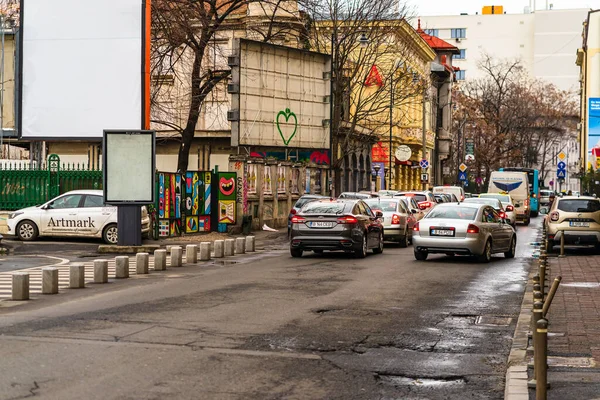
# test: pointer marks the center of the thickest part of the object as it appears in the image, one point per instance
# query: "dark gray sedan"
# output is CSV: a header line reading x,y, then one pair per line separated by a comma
x,y
346,225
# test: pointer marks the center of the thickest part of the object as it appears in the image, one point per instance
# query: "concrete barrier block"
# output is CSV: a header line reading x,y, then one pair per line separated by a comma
x,y
100,271
141,263
250,244
122,267
160,260
219,248
204,251
191,254
49,280
229,247
20,286
240,245
76,276
176,256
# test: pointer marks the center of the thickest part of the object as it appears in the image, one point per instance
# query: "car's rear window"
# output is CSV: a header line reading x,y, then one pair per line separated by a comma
x,y
482,200
579,205
545,192
455,212
382,205
317,207
502,198
418,197
302,202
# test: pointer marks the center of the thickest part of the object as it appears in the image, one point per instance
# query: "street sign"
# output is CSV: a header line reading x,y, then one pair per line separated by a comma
x,y
462,176
562,156
561,173
479,180
424,163
470,148
469,157
424,177
561,165
551,183
462,168
403,153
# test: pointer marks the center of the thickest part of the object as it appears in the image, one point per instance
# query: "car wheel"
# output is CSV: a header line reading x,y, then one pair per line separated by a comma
x,y
410,237
362,251
110,234
296,253
512,249
420,255
379,248
534,214
527,221
486,257
27,231
404,241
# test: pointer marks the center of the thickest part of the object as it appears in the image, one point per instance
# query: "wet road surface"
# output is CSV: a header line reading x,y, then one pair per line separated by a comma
x,y
329,326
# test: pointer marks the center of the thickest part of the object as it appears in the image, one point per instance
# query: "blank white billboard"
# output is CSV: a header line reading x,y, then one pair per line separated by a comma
x,y
81,68
280,96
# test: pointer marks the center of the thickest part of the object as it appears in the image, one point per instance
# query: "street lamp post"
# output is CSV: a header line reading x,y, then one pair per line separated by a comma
x,y
376,168
391,127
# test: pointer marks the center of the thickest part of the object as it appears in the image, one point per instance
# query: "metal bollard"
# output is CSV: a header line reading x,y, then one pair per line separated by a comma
x,y
204,251
250,244
240,245
191,254
76,276
219,248
229,247
176,256
551,294
536,284
49,280
540,360
160,260
100,271
542,269
141,263
122,267
562,244
536,314
20,286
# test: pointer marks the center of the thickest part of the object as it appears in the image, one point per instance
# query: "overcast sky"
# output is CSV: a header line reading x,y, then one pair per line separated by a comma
x,y
446,7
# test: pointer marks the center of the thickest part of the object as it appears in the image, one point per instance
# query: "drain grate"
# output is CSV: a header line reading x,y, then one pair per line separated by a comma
x,y
490,320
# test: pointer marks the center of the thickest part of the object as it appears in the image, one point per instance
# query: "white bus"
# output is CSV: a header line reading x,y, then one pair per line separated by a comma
x,y
517,185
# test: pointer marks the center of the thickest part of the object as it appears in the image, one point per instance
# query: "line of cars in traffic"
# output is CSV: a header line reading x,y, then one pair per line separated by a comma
x,y
445,220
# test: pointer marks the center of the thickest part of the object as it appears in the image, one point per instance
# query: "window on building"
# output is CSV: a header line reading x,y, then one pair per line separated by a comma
x,y
460,75
458,33
461,56
432,32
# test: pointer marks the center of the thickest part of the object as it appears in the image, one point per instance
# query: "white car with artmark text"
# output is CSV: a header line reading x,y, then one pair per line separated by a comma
x,y
79,213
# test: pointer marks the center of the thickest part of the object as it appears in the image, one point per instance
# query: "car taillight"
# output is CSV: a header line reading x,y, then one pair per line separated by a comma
x,y
472,228
510,208
293,211
424,204
502,215
416,227
554,216
347,220
296,219
395,219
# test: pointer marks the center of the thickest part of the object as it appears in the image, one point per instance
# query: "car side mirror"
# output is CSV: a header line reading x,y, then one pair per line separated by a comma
x,y
412,210
44,207
379,214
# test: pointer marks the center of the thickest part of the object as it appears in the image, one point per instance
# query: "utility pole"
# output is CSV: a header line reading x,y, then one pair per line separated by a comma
x,y
2,91
389,187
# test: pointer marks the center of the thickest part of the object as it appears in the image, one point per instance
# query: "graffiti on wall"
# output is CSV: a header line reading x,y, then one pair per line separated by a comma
x,y
316,156
169,204
227,197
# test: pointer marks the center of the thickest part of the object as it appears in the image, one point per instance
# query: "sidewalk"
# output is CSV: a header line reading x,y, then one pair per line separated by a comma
x,y
265,240
574,333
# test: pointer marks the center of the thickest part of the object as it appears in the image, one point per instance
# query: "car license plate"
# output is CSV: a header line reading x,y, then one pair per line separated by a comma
x,y
442,232
320,224
579,224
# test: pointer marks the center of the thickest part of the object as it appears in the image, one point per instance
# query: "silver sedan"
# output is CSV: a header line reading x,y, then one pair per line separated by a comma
x,y
465,229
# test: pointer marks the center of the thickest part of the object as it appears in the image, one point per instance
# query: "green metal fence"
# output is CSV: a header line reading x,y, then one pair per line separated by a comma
x,y
22,185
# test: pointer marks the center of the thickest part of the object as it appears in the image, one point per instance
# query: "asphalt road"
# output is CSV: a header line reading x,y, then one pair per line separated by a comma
x,y
273,327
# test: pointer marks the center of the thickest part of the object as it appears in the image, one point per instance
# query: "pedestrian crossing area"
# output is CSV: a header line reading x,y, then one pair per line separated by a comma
x,y
35,275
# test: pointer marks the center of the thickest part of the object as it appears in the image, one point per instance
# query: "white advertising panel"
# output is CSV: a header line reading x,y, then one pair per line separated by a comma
x,y
129,165
81,68
280,96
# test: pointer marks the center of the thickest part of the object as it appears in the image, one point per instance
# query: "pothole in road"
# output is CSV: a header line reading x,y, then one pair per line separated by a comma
x,y
423,382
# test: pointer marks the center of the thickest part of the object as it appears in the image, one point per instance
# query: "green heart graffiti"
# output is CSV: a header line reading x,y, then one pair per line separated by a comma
x,y
287,114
